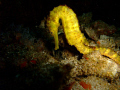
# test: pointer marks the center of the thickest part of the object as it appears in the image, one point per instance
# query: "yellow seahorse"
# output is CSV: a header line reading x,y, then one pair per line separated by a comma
x,y
72,32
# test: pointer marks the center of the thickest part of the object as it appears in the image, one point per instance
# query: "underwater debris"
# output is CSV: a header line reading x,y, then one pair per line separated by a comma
x,y
85,85
102,28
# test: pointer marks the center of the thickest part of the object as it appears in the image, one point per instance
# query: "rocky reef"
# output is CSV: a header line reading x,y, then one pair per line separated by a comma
x,y
28,59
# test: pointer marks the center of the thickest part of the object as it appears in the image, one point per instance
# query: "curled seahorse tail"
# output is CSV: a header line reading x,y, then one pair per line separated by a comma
x,y
110,53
